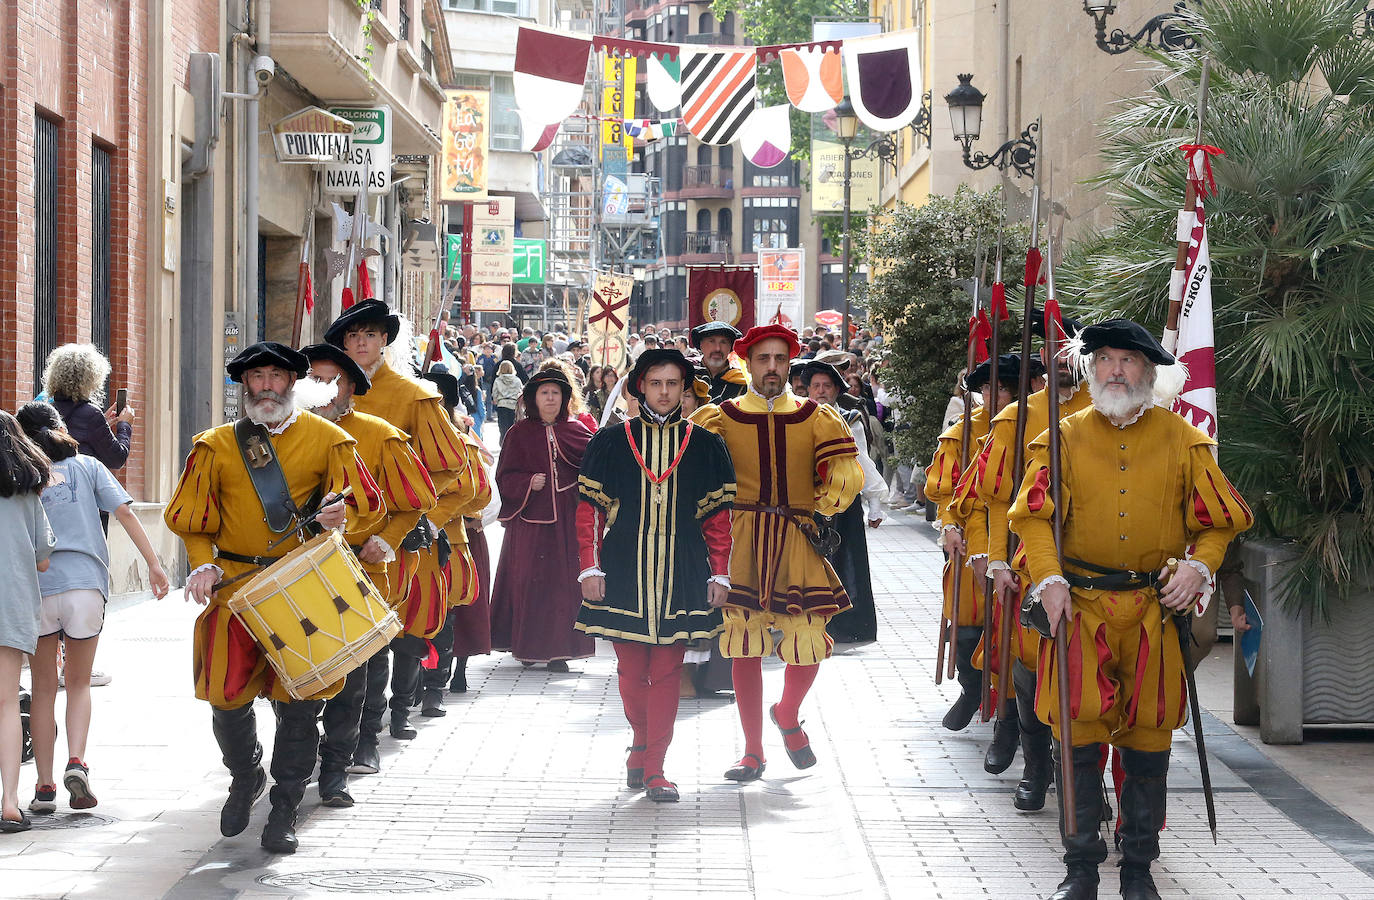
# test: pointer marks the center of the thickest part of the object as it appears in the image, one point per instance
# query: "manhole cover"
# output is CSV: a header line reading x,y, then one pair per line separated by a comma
x,y
73,820
379,881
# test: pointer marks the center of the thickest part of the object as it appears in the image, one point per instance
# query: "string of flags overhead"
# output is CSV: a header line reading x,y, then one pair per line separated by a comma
x,y
716,88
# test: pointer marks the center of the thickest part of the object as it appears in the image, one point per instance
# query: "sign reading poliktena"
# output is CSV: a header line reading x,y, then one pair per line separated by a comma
x,y
312,135
369,152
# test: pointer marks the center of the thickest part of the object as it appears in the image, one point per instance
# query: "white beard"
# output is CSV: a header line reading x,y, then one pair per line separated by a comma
x,y
269,412
1117,405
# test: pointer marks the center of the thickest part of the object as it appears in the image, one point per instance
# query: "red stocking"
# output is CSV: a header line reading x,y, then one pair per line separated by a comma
x,y
665,673
747,675
796,682
632,666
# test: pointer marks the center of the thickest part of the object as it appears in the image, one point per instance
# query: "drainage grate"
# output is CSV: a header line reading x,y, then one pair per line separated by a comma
x,y
374,881
72,820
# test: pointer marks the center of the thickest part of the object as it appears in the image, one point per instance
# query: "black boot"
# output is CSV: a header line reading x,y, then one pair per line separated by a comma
x,y
1086,850
432,703
1035,743
293,759
1005,733
459,684
405,681
236,732
342,719
366,759
1144,796
970,680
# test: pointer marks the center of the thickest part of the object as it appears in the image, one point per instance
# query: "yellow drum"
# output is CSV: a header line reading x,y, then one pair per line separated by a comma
x,y
316,615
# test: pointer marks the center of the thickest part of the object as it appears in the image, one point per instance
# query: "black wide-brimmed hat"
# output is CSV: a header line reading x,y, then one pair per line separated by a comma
x,y
723,329
330,353
1008,371
542,377
267,353
368,312
1123,334
657,357
815,367
447,385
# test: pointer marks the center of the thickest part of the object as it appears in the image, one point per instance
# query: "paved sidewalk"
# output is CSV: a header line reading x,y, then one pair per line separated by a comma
x,y
518,793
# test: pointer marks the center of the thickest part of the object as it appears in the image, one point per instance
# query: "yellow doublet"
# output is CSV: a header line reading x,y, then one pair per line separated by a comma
x,y
942,482
400,475
470,495
792,459
214,506
1133,497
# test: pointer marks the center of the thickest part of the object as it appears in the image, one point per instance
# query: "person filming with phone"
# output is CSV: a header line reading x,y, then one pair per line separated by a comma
x,y
74,382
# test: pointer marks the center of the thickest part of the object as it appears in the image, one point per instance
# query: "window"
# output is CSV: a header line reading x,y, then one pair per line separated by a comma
x,y
727,157
504,7
704,155
403,20
706,23
769,234
100,248
703,220
723,222
47,156
505,121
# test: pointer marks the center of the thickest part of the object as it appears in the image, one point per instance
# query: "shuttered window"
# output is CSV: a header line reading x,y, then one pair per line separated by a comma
x,y
46,200
100,248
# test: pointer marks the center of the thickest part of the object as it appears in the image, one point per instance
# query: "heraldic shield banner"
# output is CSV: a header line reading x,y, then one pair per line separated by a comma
x,y
723,294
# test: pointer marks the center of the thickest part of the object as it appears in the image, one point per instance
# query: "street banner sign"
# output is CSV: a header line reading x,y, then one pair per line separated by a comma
x,y
528,267
312,136
782,286
369,154
466,124
490,298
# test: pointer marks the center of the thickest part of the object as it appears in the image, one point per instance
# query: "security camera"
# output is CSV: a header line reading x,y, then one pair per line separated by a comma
x,y
264,70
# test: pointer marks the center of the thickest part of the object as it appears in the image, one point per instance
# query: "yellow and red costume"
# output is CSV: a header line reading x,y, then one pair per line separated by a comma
x,y
943,476
1133,497
215,507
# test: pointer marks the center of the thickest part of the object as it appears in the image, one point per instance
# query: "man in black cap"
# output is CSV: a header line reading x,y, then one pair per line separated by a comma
x,y
408,494
246,484
653,529
824,384
715,340
418,578
1140,491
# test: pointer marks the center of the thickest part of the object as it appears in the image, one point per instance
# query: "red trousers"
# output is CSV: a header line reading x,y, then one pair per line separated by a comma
x,y
649,682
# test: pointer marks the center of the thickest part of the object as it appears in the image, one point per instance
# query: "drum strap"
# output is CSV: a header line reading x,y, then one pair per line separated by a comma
x,y
264,470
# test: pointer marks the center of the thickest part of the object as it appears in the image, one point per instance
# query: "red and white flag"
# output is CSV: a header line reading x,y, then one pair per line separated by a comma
x,y
1193,343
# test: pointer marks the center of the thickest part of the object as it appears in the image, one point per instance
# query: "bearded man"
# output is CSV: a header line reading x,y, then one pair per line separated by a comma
x,y
793,459
1139,486
228,515
714,341
408,493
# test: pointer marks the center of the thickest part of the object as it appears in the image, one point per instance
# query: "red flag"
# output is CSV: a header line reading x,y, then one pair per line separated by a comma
x,y
305,287
724,294
364,283
347,298
979,331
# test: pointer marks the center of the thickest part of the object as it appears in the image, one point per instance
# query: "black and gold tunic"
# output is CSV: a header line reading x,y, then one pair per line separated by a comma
x,y
655,519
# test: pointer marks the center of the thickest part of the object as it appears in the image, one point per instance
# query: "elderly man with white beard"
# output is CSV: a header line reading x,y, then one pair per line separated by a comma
x,y
245,485
1139,486
335,379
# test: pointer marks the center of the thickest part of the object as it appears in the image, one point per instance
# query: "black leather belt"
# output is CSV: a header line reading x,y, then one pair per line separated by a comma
x,y
251,560
1104,579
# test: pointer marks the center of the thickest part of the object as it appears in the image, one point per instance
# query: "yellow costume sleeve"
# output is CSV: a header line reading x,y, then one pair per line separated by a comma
x,y
839,475
1031,513
406,488
193,512
437,443
470,492
967,507
1216,511
708,417
365,507
993,480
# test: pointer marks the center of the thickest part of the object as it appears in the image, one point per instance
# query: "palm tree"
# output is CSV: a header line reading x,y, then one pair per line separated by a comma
x,y
1292,240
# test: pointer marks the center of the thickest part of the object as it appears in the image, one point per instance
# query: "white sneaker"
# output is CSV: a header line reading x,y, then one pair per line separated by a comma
x,y
98,679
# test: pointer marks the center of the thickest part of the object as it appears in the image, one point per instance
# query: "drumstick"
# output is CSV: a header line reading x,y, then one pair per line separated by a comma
x,y
340,497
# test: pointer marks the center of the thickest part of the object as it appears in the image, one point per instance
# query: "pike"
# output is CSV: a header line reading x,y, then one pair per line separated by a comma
x,y
949,627
997,303
1061,629
1186,217
1018,465
1183,624
305,292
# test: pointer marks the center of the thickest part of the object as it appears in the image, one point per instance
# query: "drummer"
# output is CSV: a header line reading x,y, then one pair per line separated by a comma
x,y
407,492
228,515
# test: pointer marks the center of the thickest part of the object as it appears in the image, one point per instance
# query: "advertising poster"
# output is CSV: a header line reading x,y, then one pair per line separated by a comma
x,y
490,298
467,122
782,286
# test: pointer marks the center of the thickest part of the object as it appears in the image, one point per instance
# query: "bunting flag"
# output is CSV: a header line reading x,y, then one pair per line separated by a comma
x,y
534,134
774,51
550,70
721,294
652,129
813,76
664,83
718,92
884,74
767,135
627,47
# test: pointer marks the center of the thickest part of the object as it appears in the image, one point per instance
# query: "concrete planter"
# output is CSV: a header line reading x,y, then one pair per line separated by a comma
x,y
1309,672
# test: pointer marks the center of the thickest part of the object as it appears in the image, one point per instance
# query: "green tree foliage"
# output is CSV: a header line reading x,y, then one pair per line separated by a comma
x,y
921,313
1292,240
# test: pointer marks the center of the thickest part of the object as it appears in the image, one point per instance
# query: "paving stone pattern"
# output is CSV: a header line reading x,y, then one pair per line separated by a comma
x,y
519,794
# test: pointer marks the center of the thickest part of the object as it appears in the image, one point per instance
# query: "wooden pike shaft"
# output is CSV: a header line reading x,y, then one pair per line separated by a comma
x,y
1189,208
994,389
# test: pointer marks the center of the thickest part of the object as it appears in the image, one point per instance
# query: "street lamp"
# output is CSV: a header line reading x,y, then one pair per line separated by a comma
x,y
1163,32
966,120
883,148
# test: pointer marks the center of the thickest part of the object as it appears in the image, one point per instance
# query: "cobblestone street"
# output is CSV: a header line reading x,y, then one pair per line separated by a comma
x,y
518,793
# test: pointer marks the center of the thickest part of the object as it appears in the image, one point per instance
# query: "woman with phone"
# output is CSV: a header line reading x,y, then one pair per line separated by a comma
x,y
74,382
74,591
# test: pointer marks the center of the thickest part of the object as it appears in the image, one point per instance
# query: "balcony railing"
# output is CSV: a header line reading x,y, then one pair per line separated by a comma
x,y
708,176
714,242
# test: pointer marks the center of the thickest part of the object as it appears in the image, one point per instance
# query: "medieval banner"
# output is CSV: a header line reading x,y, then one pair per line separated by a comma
x,y
884,75
721,294
718,92
608,319
463,173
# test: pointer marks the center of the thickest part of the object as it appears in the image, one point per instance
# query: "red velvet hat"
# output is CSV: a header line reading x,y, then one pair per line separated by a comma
x,y
763,332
